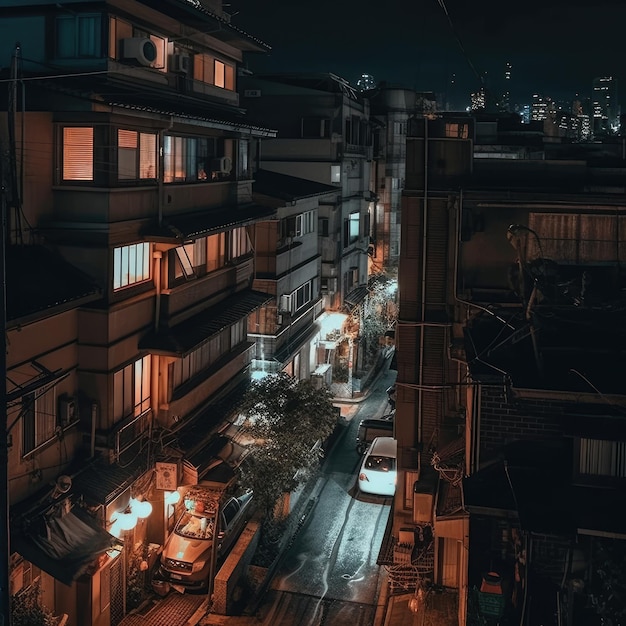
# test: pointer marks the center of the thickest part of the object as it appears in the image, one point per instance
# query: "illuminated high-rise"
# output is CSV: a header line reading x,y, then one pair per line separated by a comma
x,y
605,105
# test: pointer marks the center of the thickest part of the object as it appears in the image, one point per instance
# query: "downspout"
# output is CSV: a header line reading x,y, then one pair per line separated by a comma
x,y
420,393
161,172
94,417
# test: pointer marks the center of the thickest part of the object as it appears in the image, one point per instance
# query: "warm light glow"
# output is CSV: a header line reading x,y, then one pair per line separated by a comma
x,y
172,497
141,509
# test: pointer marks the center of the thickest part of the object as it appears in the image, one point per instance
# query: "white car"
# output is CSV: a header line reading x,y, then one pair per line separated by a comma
x,y
378,473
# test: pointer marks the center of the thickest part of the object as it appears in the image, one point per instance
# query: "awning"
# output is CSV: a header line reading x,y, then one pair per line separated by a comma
x,y
190,226
62,544
188,335
356,296
287,351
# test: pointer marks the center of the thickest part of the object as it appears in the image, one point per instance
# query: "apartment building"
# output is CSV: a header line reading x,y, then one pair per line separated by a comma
x,y
129,198
509,414
324,135
288,266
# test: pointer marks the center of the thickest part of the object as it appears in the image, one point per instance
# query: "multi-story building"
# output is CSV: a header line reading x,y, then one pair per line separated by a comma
x,y
288,266
605,106
508,414
324,135
391,107
130,158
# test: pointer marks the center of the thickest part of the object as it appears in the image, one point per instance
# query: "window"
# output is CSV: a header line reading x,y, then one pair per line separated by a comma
x,y
131,265
78,36
299,225
352,224
303,295
335,173
456,130
224,75
602,458
131,389
191,256
216,245
78,153
323,226
39,418
291,303
239,243
212,71
188,159
136,155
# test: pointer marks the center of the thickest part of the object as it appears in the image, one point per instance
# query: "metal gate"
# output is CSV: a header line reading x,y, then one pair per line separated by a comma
x,y
117,591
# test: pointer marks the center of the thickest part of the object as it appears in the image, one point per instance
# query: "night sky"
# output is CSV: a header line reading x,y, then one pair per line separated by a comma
x,y
555,47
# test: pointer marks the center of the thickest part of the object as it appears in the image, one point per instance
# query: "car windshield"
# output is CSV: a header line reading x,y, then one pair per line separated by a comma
x,y
380,463
195,526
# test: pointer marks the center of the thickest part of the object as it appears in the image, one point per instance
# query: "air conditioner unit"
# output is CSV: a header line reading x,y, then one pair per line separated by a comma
x,y
223,165
68,411
139,49
180,63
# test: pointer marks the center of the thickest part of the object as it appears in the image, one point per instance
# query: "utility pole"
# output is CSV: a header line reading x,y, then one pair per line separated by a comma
x,y
5,609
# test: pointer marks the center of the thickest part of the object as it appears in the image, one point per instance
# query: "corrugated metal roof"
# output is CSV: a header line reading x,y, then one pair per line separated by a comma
x,y
211,220
188,335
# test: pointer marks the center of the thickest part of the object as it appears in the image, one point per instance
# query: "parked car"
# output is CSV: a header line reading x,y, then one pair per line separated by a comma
x,y
187,553
378,471
370,428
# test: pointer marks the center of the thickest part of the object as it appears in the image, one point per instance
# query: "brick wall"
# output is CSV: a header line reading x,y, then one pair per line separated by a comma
x,y
506,418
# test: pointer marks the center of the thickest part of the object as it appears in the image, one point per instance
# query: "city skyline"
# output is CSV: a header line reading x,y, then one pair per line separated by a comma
x,y
555,48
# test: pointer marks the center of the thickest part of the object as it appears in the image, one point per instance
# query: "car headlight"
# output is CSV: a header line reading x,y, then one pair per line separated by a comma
x,y
197,566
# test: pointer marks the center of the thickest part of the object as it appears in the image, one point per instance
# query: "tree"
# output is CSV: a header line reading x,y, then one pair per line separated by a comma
x,y
285,418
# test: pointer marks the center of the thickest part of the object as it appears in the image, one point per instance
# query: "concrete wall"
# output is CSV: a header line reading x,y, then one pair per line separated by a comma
x,y
227,585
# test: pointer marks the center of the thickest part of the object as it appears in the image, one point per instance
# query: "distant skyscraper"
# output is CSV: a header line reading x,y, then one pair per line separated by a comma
x,y
366,82
541,108
605,105
479,100
505,99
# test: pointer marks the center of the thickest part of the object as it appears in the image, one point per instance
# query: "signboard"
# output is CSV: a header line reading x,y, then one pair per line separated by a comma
x,y
166,476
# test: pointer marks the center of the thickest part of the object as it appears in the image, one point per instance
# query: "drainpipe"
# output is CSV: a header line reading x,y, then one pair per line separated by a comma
x,y
157,255
420,393
94,417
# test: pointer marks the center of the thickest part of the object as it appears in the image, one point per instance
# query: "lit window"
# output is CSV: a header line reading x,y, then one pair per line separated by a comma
x,y
458,131
602,458
224,75
131,265
352,224
136,155
335,173
239,243
191,256
78,153
39,418
131,389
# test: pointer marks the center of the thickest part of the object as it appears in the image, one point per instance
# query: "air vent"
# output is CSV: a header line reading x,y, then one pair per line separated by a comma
x,y
180,63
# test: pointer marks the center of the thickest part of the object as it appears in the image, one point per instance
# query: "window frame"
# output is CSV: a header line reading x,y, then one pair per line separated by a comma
x,y
131,389
39,418
96,49
132,258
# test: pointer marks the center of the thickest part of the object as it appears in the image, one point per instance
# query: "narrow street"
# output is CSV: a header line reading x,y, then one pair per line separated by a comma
x,y
329,574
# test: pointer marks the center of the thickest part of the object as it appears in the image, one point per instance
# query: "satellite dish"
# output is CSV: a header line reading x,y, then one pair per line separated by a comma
x,y
63,485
